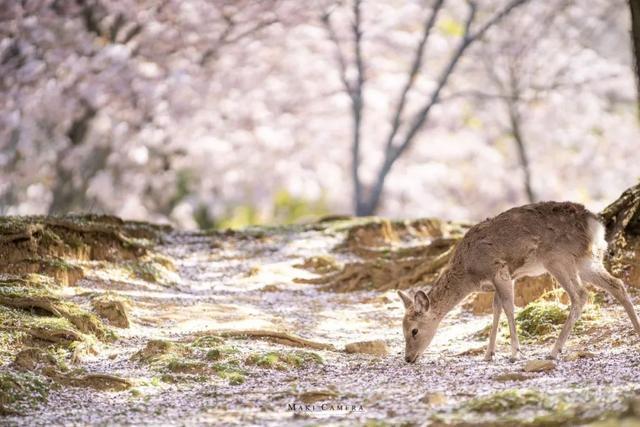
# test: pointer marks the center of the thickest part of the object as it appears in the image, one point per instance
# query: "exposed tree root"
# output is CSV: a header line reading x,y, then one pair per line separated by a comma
x,y
53,334
383,274
87,237
284,338
34,296
395,254
101,382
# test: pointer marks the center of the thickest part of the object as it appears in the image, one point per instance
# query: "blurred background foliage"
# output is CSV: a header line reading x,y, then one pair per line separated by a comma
x,y
224,113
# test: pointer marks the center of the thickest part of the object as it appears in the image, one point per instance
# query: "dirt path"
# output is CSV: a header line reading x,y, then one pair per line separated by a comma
x,y
247,283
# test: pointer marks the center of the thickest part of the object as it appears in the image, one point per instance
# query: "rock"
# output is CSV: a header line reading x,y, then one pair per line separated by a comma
x,y
34,358
511,376
539,365
479,303
579,355
375,347
434,399
113,309
475,351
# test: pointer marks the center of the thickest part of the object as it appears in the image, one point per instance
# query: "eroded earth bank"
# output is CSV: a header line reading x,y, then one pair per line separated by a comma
x,y
104,321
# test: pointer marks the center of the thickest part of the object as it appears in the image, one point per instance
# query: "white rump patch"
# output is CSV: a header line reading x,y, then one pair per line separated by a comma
x,y
598,243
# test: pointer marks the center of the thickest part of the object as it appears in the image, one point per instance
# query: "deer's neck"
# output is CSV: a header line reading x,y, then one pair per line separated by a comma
x,y
447,292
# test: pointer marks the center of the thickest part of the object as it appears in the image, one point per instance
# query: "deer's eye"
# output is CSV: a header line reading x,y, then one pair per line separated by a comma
x,y
414,332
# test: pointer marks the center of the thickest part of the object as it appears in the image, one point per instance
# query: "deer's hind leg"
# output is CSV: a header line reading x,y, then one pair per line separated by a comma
x,y
504,291
497,309
596,273
567,275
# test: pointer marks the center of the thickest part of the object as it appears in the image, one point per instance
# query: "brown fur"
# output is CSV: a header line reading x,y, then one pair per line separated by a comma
x,y
562,238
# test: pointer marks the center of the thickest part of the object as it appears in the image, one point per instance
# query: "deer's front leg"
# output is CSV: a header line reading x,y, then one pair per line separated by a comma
x,y
504,290
497,309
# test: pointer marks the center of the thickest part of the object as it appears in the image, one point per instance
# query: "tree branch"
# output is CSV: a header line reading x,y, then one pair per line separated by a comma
x,y
340,59
413,73
226,38
468,38
393,153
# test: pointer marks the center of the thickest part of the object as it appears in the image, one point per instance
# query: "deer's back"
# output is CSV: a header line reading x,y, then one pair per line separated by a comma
x,y
525,238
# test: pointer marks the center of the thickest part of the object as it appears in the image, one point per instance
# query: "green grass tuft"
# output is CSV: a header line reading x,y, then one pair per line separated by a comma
x,y
21,391
283,360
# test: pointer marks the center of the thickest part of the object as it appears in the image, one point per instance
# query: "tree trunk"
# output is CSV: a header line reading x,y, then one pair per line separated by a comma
x,y
622,221
622,217
634,6
523,157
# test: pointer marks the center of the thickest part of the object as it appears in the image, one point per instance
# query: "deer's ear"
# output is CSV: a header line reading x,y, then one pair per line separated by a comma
x,y
406,299
421,302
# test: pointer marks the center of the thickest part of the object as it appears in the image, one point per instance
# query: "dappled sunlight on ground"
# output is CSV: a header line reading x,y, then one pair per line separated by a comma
x,y
249,285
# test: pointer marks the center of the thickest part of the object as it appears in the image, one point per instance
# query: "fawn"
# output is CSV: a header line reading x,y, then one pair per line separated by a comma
x,y
562,238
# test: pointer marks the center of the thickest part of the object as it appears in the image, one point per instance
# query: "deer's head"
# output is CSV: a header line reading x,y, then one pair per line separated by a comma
x,y
419,324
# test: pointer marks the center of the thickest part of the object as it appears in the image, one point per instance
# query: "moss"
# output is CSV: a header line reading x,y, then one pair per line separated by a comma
x,y
230,372
171,357
283,360
21,391
235,378
185,366
540,318
375,423
86,322
207,341
507,400
45,328
154,351
188,362
514,407
38,298
11,341
214,354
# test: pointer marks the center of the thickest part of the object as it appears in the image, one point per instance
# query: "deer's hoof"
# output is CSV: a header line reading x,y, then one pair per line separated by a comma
x,y
514,358
488,357
551,356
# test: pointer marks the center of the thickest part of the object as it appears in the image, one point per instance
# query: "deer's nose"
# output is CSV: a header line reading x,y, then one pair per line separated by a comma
x,y
408,359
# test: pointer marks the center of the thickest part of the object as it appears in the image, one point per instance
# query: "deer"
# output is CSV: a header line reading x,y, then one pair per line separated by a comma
x,y
563,239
